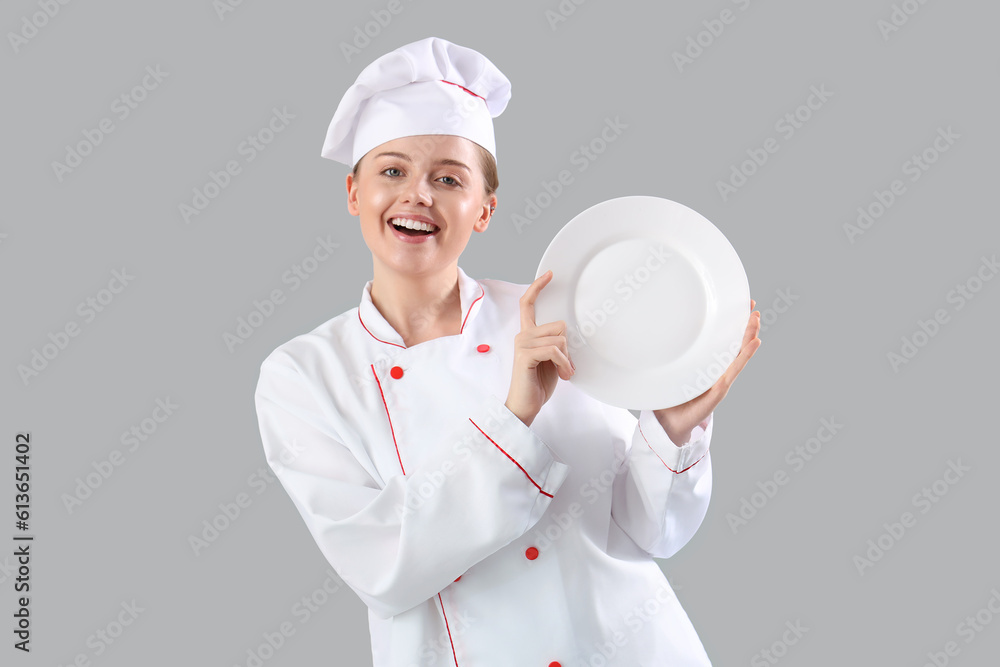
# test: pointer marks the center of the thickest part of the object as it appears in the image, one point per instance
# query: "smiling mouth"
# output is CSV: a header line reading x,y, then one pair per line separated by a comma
x,y
415,228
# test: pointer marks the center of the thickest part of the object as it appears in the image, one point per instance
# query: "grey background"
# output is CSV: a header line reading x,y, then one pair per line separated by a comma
x,y
825,356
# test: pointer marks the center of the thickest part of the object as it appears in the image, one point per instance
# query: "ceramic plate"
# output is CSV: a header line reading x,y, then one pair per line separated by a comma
x,y
655,299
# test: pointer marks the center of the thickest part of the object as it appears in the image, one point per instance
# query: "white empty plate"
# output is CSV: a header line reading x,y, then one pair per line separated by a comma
x,y
655,300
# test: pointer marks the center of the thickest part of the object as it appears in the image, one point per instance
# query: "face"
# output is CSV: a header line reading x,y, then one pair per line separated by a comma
x,y
431,179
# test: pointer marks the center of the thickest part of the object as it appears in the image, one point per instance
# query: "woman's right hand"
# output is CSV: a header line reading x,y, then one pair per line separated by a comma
x,y
541,356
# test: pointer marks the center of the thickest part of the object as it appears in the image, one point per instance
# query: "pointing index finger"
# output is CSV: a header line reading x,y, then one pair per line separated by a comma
x,y
528,300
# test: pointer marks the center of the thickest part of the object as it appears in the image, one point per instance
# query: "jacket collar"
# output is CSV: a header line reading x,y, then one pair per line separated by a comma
x,y
471,295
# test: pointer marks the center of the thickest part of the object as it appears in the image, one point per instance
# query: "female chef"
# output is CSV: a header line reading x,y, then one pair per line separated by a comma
x,y
485,512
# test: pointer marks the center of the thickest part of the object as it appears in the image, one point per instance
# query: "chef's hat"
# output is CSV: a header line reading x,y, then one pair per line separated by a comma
x,y
428,87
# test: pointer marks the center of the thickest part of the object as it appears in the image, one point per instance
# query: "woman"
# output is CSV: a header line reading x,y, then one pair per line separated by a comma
x,y
486,513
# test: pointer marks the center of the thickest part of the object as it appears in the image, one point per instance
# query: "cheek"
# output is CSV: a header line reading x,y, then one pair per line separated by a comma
x,y
374,199
471,209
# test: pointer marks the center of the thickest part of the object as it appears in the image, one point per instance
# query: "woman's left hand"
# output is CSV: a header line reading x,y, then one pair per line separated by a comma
x,y
680,420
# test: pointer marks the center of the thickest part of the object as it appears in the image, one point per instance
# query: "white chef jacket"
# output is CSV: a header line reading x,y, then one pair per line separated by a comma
x,y
475,540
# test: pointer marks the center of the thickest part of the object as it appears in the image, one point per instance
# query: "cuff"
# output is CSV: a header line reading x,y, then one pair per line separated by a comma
x,y
521,446
677,459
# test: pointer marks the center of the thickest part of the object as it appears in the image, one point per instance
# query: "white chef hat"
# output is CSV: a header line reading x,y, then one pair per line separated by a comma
x,y
427,87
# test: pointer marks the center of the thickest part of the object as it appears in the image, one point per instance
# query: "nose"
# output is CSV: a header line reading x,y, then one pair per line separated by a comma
x,y
416,191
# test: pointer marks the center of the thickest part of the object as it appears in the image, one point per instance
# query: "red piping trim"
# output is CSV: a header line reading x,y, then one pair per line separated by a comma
x,y
389,418
453,654
512,459
676,472
374,336
469,312
466,90
466,319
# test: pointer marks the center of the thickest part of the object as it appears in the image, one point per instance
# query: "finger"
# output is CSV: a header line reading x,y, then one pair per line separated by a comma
x,y
753,304
542,341
753,328
528,300
748,347
554,328
551,353
558,341
740,362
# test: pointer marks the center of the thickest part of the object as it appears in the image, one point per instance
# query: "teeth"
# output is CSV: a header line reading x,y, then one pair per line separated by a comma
x,y
413,224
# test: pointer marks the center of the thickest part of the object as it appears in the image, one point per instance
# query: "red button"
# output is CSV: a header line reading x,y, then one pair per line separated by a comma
x,y
483,348
531,553
396,372
459,577
554,664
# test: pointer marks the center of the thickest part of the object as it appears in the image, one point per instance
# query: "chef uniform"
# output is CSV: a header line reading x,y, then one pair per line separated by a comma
x,y
474,539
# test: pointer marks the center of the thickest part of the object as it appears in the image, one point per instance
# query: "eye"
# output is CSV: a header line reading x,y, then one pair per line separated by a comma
x,y
449,180
390,170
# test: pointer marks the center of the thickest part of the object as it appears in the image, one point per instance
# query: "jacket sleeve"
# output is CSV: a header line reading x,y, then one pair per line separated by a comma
x,y
486,482
661,492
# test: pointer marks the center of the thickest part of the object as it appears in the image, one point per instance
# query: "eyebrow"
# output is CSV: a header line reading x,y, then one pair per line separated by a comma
x,y
405,157
455,163
401,156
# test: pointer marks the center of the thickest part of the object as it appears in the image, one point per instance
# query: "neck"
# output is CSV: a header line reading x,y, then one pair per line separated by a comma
x,y
419,307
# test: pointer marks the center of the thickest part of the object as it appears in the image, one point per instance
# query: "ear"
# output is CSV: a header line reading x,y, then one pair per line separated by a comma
x,y
352,196
489,207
